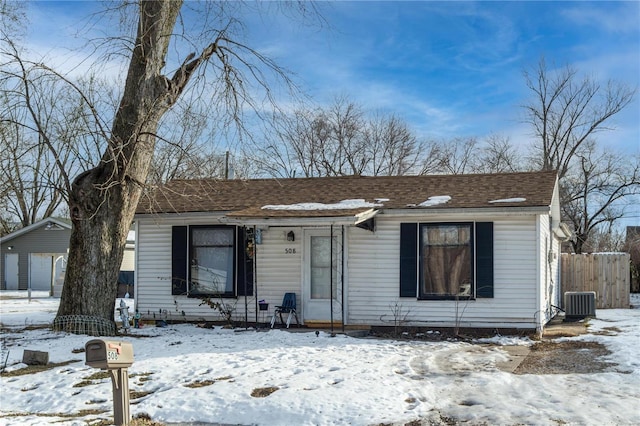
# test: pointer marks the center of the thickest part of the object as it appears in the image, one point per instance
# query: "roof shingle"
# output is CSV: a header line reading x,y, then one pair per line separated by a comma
x,y
246,198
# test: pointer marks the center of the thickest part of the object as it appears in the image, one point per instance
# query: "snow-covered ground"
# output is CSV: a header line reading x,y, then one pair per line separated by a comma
x,y
320,380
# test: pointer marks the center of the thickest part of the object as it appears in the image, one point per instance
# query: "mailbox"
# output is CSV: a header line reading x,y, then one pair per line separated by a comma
x,y
108,354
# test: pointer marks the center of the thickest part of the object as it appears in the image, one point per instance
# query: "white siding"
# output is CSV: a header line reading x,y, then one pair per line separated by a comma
x,y
550,248
279,266
374,279
153,277
371,275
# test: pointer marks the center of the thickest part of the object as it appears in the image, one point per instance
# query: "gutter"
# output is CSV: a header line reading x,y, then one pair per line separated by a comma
x,y
489,211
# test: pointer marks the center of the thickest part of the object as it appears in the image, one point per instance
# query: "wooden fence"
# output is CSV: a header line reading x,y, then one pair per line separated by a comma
x,y
605,273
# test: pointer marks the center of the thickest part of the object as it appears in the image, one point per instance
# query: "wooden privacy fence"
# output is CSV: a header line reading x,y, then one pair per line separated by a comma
x,y
605,273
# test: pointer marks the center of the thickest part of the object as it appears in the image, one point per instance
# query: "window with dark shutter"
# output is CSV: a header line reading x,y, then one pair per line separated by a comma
x,y
179,263
212,260
448,261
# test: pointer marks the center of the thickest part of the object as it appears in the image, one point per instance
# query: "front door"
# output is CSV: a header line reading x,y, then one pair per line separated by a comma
x,y
322,291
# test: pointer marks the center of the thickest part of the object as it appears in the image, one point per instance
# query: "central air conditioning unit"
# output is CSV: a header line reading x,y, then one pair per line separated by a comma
x,y
579,304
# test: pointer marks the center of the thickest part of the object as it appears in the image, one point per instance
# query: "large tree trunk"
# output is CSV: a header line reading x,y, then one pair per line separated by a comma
x,y
103,200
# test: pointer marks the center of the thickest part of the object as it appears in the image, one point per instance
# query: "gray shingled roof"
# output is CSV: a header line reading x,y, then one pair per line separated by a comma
x,y
246,198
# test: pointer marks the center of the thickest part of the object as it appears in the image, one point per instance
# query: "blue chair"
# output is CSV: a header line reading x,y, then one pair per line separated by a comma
x,y
288,307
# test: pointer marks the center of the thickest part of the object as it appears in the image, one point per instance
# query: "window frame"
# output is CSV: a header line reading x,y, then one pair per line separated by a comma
x,y
233,247
472,260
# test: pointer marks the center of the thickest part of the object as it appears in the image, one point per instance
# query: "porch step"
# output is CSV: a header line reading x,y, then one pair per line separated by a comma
x,y
322,324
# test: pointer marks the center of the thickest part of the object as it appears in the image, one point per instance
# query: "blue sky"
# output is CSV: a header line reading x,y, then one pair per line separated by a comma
x,y
455,69
450,69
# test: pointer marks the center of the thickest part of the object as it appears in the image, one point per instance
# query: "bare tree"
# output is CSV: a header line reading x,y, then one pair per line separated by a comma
x,y
595,192
102,199
341,139
343,153
566,111
44,138
604,239
498,155
294,149
457,156
185,144
430,161
393,148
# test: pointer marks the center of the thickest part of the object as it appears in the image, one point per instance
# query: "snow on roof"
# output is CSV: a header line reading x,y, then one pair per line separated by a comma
x,y
509,200
292,197
435,200
342,205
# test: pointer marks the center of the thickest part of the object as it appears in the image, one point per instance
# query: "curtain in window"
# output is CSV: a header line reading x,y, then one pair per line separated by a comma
x,y
212,260
446,254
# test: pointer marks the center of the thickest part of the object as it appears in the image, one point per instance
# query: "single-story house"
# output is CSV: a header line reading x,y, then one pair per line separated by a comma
x,y
440,251
35,257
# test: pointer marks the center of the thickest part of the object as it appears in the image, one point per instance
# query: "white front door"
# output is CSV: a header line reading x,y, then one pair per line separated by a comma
x,y
322,291
11,271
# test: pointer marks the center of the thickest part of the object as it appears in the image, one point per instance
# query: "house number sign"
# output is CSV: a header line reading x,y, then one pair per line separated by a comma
x,y
289,250
113,352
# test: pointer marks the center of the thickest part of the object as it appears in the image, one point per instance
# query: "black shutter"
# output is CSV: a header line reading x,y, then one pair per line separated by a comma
x,y
484,259
408,259
179,263
244,265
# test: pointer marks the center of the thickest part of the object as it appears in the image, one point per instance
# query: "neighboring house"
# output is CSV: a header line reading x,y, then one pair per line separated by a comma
x,y
455,250
35,257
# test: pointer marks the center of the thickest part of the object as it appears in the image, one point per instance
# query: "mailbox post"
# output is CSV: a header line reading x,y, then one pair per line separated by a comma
x,y
115,357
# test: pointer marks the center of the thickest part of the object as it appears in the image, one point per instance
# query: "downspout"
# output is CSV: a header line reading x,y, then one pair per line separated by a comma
x,y
342,276
538,289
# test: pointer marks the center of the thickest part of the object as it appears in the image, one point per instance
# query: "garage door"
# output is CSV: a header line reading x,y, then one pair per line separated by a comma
x,y
40,271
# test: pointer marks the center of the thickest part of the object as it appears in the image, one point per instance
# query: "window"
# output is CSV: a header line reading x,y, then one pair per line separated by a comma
x,y
211,263
322,284
446,260
446,267
211,260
